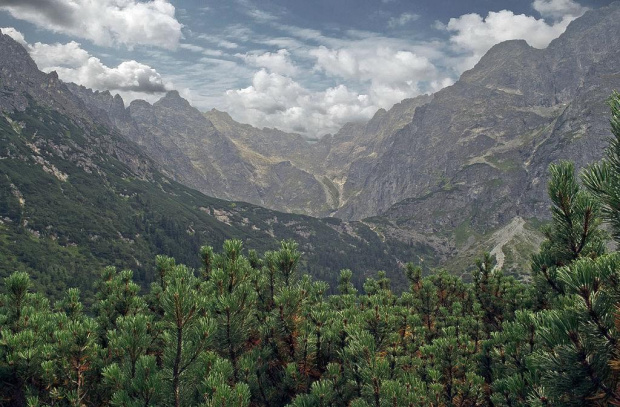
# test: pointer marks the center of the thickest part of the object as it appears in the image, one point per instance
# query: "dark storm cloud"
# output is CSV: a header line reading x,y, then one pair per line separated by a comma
x,y
56,11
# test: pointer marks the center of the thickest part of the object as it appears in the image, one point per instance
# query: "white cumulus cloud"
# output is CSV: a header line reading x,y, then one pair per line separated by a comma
x,y
381,64
74,64
274,100
392,74
104,22
473,34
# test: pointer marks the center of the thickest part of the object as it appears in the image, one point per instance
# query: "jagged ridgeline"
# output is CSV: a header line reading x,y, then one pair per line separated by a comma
x,y
75,196
461,171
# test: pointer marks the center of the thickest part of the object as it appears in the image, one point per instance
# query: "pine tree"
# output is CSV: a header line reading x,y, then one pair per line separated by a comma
x,y
574,232
187,330
603,178
76,351
231,303
25,323
117,296
579,336
132,375
512,375
218,388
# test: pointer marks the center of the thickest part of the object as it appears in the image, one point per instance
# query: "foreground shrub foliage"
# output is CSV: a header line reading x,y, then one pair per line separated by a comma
x,y
246,330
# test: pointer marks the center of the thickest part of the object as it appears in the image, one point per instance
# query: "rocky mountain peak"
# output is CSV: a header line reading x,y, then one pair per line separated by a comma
x,y
509,66
53,76
379,113
592,20
119,102
139,104
21,76
101,104
18,71
173,100
504,50
220,115
19,55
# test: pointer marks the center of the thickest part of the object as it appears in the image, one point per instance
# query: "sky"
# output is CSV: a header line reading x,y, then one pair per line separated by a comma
x,y
305,66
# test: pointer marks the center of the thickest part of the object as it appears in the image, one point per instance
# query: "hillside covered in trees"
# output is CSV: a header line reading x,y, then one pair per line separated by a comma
x,y
245,329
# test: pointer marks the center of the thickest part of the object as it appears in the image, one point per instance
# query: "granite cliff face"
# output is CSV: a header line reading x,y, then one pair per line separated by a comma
x,y
484,143
231,161
471,166
347,157
223,158
22,85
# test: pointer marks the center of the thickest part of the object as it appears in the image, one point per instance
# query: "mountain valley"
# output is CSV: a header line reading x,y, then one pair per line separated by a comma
x,y
457,249
77,196
470,160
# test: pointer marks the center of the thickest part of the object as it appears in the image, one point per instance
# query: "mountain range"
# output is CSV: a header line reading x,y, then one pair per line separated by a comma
x,y
465,168
436,179
76,195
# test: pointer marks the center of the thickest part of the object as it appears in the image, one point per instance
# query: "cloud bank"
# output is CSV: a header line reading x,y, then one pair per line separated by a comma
x,y
278,62
104,22
274,100
74,64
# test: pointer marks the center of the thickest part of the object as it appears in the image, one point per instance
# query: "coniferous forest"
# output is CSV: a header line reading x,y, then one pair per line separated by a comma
x,y
247,330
